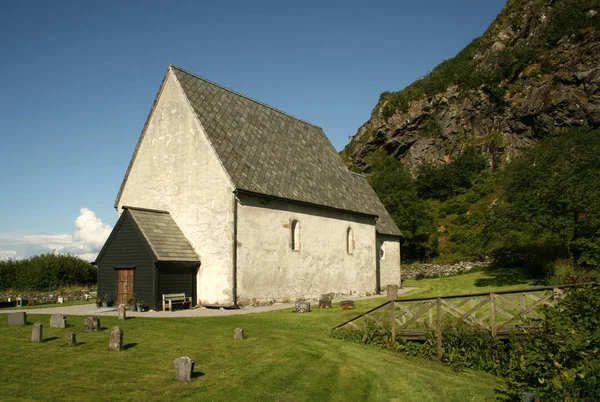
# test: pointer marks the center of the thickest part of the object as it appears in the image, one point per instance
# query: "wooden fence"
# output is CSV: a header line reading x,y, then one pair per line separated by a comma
x,y
499,312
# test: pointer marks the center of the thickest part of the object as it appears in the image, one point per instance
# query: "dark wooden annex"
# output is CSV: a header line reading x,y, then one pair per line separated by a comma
x,y
147,255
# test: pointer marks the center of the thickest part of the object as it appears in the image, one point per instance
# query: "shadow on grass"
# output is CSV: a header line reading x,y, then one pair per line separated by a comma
x,y
502,276
52,338
197,374
129,346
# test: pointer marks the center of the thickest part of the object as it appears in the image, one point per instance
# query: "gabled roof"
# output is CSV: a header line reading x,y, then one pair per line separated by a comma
x,y
161,233
266,151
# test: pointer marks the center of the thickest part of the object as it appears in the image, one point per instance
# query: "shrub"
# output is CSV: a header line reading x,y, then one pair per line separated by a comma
x,y
45,272
446,181
559,359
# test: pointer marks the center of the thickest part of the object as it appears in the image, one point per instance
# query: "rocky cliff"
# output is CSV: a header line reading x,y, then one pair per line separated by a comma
x,y
536,69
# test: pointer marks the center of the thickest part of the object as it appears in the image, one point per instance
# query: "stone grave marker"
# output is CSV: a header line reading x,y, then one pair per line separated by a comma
x,y
91,324
239,334
116,339
121,312
17,319
392,292
36,332
347,304
302,306
184,367
58,321
325,303
70,339
329,296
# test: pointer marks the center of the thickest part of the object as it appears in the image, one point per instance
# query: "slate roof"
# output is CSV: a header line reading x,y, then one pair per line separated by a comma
x,y
163,235
269,152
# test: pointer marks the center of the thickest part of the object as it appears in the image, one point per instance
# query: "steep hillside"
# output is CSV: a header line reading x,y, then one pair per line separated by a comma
x,y
535,70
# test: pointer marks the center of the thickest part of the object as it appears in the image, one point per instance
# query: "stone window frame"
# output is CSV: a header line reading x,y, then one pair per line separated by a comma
x,y
350,241
295,234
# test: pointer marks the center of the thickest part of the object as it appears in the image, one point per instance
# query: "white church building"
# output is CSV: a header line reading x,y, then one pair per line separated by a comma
x,y
234,202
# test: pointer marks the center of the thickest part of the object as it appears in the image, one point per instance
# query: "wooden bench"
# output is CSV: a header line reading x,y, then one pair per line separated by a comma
x,y
168,299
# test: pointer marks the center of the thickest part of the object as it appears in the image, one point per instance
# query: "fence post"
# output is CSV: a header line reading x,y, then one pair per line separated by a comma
x,y
393,315
439,328
493,314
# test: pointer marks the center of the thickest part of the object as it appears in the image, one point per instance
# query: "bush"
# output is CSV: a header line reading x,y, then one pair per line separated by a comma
x,y
45,272
560,360
443,182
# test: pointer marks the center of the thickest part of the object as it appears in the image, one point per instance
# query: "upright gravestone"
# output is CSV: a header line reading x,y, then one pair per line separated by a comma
x,y
17,319
91,324
116,339
184,367
239,334
302,306
36,332
392,292
347,304
121,312
325,303
70,339
58,321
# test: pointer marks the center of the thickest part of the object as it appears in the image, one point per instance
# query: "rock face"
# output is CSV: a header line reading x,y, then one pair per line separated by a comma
x,y
535,70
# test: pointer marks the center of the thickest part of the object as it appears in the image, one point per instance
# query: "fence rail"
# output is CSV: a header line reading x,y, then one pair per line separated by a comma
x,y
499,312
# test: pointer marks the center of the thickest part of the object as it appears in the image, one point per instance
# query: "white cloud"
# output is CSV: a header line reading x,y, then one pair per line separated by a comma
x,y
90,230
89,237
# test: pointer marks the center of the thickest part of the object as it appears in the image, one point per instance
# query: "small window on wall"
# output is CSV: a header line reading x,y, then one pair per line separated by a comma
x,y
295,233
381,248
350,241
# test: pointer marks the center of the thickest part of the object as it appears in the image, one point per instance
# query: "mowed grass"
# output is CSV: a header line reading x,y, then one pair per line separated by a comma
x,y
286,357
46,305
478,281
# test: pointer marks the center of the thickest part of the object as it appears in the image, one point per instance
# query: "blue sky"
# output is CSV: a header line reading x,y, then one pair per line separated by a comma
x,y
78,79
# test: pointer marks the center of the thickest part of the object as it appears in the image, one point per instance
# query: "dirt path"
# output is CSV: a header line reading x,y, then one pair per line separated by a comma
x,y
90,309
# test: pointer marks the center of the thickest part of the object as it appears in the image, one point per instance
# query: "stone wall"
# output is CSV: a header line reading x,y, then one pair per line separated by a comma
x,y
269,268
51,297
435,270
176,169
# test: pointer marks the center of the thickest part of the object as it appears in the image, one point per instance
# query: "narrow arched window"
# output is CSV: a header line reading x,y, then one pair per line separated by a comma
x,y
295,233
350,241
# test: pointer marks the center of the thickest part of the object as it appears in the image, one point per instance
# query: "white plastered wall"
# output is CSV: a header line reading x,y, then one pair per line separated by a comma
x,y
176,170
389,263
269,270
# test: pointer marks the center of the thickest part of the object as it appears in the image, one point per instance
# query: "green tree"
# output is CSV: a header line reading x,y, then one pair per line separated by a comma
x,y
394,185
45,272
445,181
551,200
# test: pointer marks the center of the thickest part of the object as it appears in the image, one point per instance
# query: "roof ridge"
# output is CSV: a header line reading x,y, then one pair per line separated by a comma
x,y
160,211
246,97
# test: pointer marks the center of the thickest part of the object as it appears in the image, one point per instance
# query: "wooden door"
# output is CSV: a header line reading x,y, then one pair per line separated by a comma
x,y
124,285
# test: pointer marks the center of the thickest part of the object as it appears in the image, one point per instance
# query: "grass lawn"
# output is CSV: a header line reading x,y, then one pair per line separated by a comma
x,y
287,357
478,281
